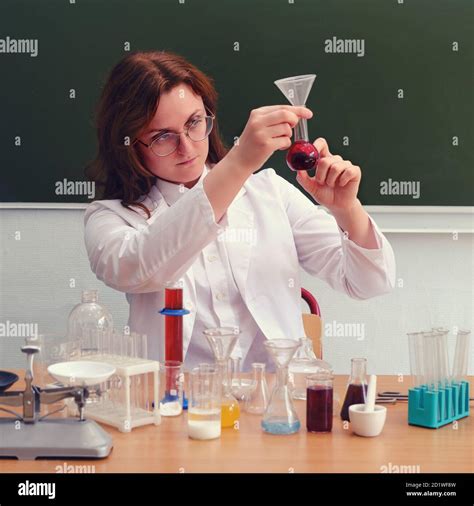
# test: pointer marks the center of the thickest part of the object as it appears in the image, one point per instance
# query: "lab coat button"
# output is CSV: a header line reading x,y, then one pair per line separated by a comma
x,y
220,296
211,258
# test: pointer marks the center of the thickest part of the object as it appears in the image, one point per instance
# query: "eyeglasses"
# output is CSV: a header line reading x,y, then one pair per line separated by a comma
x,y
166,143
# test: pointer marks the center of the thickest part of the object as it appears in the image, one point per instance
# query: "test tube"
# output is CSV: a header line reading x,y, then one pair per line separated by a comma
x,y
117,346
417,362
429,360
442,344
461,355
412,354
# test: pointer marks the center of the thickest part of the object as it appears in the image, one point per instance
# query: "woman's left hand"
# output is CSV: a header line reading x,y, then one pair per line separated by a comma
x,y
336,181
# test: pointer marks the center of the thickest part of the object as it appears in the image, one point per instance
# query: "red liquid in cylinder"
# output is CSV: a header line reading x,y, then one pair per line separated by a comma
x,y
173,330
174,325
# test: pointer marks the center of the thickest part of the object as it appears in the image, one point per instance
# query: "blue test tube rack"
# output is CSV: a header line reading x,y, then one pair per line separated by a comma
x,y
435,408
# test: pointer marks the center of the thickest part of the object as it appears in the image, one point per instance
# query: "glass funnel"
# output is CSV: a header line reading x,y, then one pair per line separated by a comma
x,y
302,154
280,416
222,341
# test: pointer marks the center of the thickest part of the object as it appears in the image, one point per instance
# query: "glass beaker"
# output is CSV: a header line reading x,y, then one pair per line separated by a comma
x,y
222,341
319,402
204,406
280,416
357,386
302,154
257,400
171,388
302,365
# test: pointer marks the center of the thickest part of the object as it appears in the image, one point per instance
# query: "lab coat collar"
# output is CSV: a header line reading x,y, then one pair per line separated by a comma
x,y
174,191
164,193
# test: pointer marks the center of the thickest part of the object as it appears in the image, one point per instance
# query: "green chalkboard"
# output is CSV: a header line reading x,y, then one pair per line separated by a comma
x,y
393,92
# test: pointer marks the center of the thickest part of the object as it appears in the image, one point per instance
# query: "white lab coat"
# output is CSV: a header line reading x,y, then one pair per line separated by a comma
x,y
278,228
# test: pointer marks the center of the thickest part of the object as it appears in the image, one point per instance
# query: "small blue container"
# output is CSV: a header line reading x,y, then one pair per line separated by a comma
x,y
433,409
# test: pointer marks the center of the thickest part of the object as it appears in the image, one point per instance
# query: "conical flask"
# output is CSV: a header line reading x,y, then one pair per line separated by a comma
x,y
357,386
257,401
222,341
302,154
280,416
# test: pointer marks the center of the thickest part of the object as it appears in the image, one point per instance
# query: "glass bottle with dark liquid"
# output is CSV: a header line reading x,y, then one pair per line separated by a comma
x,y
357,386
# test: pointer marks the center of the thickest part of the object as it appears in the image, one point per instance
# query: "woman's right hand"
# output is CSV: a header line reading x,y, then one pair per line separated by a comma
x,y
268,128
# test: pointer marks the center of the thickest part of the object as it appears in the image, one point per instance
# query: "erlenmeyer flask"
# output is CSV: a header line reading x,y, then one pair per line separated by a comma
x,y
302,154
357,387
257,400
222,341
280,416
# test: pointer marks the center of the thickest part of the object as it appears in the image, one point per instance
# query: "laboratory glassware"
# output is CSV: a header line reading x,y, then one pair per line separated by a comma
x,y
240,386
204,406
85,319
319,404
280,416
437,397
302,154
461,355
222,341
171,388
303,364
356,392
257,400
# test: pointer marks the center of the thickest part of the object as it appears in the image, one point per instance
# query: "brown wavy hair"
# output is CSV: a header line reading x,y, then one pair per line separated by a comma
x,y
128,103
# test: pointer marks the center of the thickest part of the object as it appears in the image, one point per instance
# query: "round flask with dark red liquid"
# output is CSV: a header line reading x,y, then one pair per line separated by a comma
x,y
302,155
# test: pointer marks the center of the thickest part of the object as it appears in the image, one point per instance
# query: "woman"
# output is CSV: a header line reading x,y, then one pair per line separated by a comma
x,y
179,206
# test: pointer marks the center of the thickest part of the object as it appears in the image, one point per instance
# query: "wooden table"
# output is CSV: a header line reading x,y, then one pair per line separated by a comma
x,y
167,448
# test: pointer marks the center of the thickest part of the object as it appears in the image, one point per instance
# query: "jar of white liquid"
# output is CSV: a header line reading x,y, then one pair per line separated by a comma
x,y
204,404
303,364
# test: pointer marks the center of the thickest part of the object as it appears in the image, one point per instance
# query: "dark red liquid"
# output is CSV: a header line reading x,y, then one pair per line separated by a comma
x,y
173,330
319,409
356,394
174,325
302,155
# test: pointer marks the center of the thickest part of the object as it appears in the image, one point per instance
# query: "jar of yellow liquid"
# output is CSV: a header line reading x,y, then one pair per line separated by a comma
x,y
230,413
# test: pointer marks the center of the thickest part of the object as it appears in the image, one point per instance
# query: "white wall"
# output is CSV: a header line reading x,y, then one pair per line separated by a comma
x,y
436,269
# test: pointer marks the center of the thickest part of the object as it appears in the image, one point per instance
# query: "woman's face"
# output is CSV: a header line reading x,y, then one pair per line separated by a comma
x,y
175,111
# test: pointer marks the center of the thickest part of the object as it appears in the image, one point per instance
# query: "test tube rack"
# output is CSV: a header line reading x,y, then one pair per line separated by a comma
x,y
435,408
117,409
